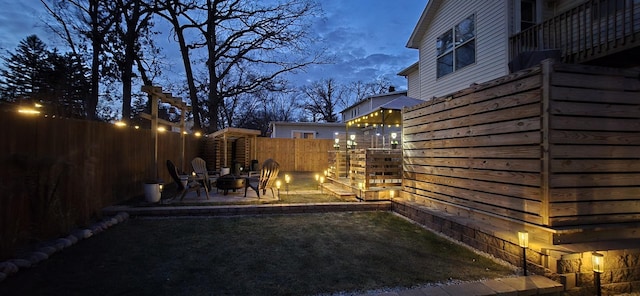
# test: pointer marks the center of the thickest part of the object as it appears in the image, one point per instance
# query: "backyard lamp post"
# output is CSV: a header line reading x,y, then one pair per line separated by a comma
x,y
597,260
278,183
523,241
394,142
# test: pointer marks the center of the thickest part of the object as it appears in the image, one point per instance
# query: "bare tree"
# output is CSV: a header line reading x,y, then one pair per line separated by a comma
x,y
322,99
174,11
125,44
359,90
248,44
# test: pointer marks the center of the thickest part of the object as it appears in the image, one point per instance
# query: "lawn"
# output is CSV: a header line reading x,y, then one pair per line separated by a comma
x,y
306,254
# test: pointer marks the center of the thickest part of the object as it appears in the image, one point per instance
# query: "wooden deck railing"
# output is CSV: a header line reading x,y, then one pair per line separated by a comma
x,y
588,31
375,167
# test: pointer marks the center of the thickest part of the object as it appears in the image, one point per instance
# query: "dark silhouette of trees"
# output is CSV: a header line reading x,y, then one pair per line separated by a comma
x,y
34,74
78,21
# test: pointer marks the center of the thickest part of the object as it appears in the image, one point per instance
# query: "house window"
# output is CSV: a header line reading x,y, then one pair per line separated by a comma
x,y
303,134
456,48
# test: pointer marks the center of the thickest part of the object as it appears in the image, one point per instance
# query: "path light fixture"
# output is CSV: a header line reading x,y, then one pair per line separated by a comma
x,y
287,179
278,183
597,260
523,242
336,145
321,182
392,193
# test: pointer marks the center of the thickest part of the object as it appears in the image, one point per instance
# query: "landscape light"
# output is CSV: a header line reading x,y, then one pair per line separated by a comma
x,y
28,111
523,241
597,260
120,124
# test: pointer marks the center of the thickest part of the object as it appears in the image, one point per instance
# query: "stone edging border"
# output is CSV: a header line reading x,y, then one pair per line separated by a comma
x,y
47,249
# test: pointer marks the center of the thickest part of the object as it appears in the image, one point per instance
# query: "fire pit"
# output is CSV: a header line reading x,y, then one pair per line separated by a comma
x,y
227,182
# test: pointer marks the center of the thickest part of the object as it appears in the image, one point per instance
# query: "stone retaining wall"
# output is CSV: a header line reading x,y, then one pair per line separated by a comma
x,y
622,270
622,267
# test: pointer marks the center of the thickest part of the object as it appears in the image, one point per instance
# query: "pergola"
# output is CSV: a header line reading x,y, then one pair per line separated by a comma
x,y
232,134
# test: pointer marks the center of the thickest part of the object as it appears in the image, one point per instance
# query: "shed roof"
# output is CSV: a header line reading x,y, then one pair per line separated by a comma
x,y
234,133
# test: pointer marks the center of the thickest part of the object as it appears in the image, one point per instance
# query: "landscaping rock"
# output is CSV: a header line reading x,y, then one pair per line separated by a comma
x,y
122,216
72,238
21,263
37,257
82,233
114,221
96,228
47,250
8,267
65,242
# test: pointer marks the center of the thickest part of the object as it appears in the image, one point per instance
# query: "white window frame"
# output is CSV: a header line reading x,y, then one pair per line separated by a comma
x,y
453,50
303,132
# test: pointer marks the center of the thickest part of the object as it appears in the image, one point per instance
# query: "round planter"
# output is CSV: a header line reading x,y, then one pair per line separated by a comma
x,y
152,192
225,171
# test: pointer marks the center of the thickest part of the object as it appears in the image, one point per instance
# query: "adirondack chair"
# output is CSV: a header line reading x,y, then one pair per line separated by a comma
x,y
268,175
182,189
200,168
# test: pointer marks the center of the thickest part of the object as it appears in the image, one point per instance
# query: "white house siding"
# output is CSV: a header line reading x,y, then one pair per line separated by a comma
x,y
491,46
413,85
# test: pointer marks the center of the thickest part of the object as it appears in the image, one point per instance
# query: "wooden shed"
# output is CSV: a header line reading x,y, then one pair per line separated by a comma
x,y
554,149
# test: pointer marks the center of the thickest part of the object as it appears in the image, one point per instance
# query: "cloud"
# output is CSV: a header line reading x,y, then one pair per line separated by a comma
x,y
366,40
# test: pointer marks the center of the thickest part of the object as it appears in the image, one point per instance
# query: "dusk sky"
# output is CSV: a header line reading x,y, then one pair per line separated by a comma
x,y
367,37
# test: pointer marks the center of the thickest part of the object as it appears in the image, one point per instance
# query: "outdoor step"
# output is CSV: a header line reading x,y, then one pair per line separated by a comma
x,y
516,286
337,191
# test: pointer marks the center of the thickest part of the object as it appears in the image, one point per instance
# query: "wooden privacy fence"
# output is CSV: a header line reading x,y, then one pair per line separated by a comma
x,y
555,148
58,173
301,155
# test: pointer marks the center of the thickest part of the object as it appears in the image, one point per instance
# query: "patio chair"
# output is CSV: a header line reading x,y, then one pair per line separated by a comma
x,y
200,168
268,175
182,189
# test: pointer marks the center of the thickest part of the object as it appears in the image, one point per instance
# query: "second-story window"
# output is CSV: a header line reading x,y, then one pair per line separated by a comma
x,y
456,48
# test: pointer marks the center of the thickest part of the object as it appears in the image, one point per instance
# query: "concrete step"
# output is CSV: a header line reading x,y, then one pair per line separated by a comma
x,y
515,286
336,190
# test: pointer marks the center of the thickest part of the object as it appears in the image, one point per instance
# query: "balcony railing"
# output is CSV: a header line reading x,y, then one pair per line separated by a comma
x,y
591,30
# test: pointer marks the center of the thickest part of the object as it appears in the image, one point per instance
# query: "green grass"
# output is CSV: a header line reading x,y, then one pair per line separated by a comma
x,y
261,255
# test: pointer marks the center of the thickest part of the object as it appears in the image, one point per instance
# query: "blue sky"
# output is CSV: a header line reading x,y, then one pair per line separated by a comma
x,y
367,37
